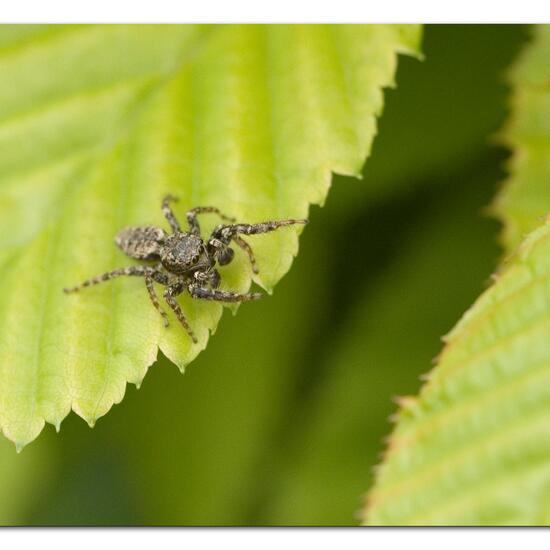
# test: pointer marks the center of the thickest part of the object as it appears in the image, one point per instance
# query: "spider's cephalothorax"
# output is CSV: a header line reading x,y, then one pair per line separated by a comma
x,y
183,261
183,253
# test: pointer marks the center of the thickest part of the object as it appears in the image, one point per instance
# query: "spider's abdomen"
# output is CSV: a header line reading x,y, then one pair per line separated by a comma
x,y
141,243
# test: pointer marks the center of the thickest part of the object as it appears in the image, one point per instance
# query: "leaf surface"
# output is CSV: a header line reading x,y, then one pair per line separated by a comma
x,y
474,447
97,123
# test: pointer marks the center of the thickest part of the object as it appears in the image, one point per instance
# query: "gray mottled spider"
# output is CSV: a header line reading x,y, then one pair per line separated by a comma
x,y
183,261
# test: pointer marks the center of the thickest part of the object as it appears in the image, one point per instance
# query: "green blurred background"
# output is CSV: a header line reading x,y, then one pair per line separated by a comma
x,y
281,419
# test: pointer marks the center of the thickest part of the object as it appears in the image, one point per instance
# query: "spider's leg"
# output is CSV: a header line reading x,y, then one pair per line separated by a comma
x,y
194,226
168,214
248,249
133,270
227,232
169,295
221,237
221,295
153,295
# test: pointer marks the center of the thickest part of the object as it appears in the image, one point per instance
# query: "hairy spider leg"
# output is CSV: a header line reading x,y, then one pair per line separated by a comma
x,y
168,214
248,249
153,295
169,295
194,226
223,234
221,295
226,232
133,270
149,273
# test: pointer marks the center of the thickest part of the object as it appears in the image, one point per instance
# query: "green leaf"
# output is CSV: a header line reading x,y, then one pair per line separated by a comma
x,y
473,448
525,198
247,118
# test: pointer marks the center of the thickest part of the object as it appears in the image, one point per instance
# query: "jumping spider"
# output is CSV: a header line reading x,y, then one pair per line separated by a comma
x,y
184,260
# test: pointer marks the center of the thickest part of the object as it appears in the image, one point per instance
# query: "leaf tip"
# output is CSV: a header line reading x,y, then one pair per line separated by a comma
x,y
264,285
181,366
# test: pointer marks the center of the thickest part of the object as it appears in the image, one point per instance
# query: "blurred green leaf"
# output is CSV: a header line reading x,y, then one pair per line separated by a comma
x,y
250,119
525,198
473,449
